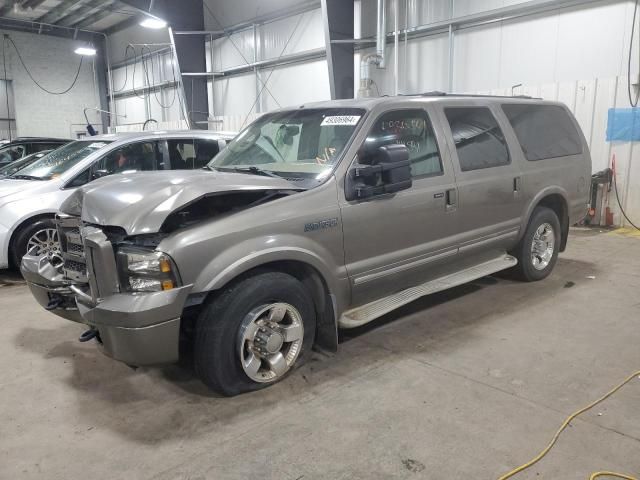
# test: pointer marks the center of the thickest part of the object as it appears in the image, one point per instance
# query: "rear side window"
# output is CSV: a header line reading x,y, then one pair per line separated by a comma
x,y
205,151
544,131
188,154
479,140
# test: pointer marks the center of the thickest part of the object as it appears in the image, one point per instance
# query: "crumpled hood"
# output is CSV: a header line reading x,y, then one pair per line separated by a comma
x,y
140,202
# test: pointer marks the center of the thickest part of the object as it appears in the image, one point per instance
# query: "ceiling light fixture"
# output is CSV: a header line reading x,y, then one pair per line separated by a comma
x,y
152,22
88,51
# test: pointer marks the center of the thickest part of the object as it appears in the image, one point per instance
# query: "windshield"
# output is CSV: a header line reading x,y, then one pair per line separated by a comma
x,y
13,167
298,145
59,161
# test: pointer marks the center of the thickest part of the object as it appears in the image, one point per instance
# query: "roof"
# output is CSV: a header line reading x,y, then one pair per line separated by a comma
x,y
370,102
39,140
101,16
162,134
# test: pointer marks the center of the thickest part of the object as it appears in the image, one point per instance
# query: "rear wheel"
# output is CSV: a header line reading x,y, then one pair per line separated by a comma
x,y
537,251
37,238
254,333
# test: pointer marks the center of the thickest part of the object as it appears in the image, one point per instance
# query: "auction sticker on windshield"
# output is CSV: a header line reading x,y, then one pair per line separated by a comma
x,y
340,120
97,145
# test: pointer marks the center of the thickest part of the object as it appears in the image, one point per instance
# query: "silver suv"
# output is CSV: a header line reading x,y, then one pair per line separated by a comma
x,y
317,218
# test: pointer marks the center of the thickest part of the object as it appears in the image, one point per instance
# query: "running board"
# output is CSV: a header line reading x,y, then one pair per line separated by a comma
x,y
366,313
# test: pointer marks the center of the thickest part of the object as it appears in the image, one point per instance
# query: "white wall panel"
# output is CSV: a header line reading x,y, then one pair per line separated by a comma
x,y
307,36
592,42
528,50
237,49
410,12
235,95
477,59
311,80
229,13
134,109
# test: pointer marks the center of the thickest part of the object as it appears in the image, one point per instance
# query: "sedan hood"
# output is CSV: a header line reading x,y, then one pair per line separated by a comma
x,y
12,189
9,186
140,202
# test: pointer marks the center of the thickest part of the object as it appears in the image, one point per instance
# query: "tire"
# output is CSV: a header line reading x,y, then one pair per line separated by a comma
x,y
533,266
27,232
232,330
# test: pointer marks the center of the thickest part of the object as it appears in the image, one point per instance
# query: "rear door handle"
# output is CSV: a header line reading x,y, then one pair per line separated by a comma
x,y
517,184
451,199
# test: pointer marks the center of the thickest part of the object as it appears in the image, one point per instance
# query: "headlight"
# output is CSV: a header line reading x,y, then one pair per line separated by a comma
x,y
146,270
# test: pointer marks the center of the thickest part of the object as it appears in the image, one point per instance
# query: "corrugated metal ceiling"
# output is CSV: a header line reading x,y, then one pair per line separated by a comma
x,y
96,15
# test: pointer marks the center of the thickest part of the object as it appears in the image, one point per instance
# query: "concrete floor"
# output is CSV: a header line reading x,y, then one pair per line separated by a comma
x,y
464,384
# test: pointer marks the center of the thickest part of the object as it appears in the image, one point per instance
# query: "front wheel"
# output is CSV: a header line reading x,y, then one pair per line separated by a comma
x,y
253,333
537,251
37,238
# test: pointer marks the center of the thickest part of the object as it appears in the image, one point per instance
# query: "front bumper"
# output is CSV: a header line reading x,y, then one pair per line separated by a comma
x,y
49,287
138,329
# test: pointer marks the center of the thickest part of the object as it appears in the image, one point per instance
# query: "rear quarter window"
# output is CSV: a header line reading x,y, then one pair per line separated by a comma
x,y
544,131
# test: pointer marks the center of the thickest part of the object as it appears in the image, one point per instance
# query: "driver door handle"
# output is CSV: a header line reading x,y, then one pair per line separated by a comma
x,y
451,197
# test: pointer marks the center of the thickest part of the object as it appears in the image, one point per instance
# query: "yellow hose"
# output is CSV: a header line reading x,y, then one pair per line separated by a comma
x,y
610,474
546,450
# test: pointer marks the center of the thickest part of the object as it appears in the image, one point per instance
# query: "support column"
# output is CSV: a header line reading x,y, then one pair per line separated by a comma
x,y
337,16
190,49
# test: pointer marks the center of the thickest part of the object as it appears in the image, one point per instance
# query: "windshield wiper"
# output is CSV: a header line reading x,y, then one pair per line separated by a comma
x,y
253,171
26,177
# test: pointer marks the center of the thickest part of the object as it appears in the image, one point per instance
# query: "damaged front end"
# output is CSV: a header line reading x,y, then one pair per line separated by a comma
x,y
49,287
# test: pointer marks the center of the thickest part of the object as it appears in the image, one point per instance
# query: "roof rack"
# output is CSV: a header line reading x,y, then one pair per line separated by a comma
x,y
437,93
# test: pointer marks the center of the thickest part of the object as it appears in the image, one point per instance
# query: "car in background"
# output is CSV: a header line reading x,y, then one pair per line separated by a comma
x,y
23,146
30,198
13,167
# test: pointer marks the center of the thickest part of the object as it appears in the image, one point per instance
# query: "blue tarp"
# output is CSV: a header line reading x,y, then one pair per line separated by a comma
x,y
623,124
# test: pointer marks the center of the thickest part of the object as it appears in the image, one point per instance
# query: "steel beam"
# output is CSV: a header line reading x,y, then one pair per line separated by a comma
x,y
23,5
79,14
62,10
337,16
96,17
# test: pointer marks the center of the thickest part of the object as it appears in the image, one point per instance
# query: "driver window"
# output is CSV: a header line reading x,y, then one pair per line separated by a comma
x,y
12,153
135,157
413,129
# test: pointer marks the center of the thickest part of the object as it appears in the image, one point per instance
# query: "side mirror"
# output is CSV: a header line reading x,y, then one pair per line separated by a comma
x,y
99,174
386,170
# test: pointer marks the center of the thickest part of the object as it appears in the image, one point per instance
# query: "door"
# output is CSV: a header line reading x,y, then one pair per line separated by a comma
x,y
392,241
489,181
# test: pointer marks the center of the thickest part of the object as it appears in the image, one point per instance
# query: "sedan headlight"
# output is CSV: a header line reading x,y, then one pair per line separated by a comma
x,y
144,270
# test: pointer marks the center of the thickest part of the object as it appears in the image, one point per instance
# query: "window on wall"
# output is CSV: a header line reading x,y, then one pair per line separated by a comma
x,y
479,140
544,131
413,129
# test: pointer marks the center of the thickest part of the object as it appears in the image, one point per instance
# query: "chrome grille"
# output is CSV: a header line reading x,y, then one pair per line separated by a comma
x,y
75,265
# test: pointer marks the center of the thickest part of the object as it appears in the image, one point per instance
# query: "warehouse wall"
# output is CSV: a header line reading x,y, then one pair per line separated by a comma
x,y
568,44
134,103
53,64
236,98
575,55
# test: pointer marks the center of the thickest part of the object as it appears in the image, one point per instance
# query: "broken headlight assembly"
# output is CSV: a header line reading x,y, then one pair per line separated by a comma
x,y
143,270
